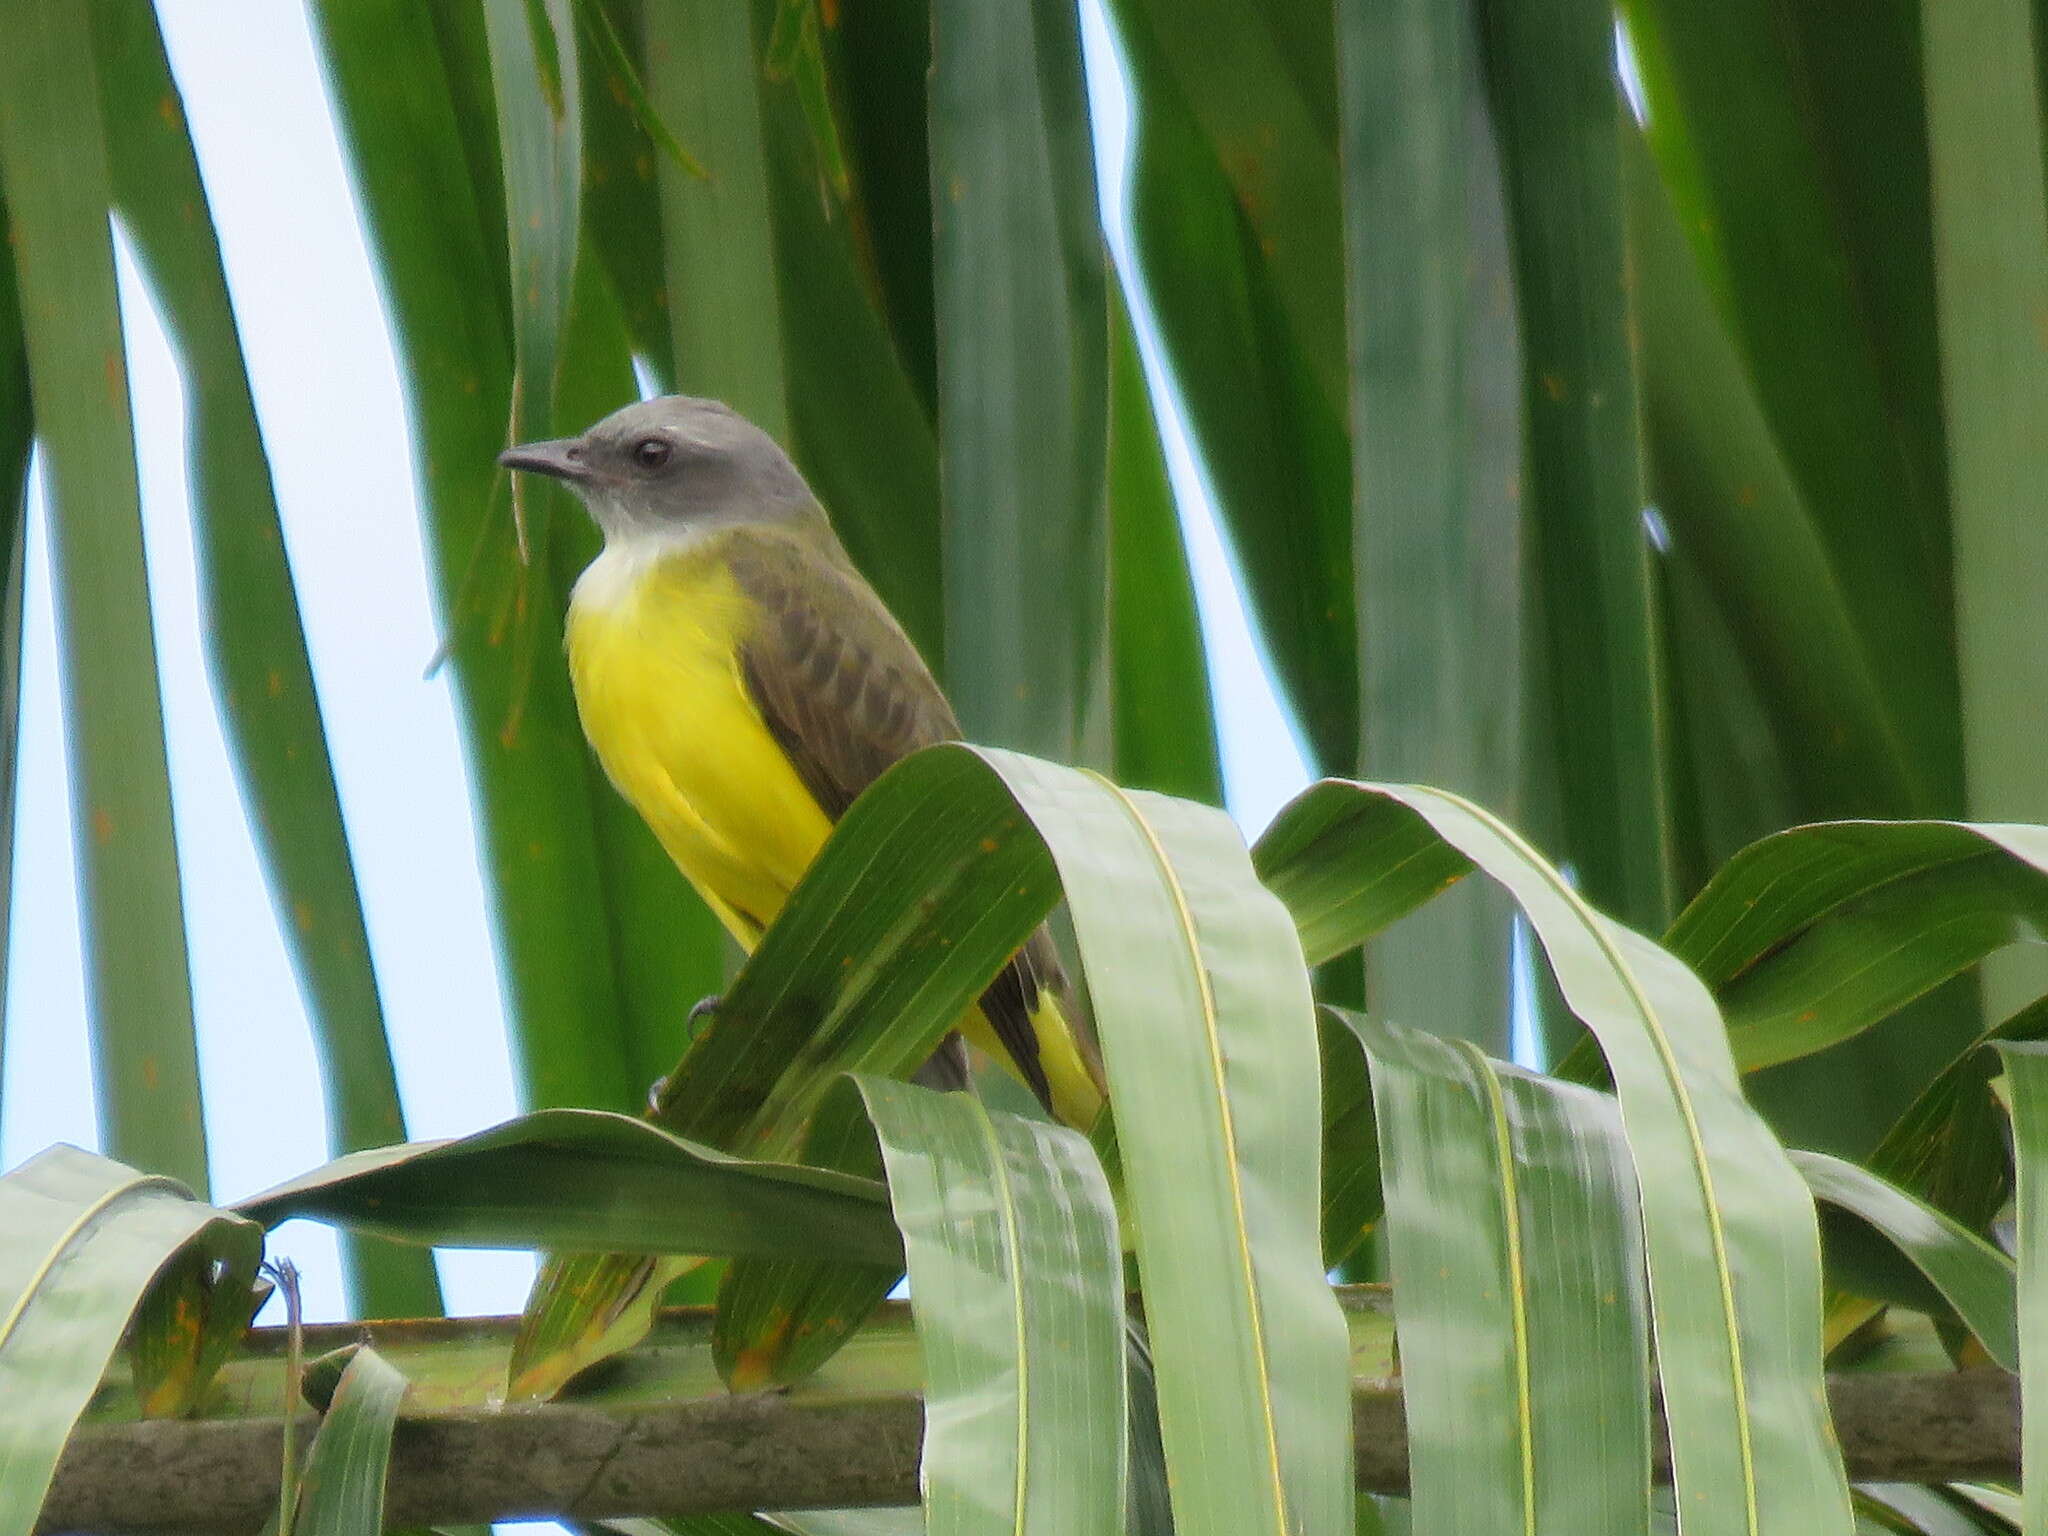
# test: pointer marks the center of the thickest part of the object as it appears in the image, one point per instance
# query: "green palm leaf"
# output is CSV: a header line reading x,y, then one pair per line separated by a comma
x,y
1734,1258
1519,1293
86,1237
53,168
257,648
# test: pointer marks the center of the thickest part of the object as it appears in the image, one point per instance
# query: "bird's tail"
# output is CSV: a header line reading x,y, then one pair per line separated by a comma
x,y
1073,1083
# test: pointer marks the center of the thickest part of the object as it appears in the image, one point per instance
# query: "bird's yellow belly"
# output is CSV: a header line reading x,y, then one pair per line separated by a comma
x,y
653,652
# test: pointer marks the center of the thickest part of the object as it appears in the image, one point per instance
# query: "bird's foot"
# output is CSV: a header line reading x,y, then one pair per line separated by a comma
x,y
693,1025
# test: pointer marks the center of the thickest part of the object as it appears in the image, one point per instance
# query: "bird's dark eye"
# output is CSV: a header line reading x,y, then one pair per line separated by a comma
x,y
651,452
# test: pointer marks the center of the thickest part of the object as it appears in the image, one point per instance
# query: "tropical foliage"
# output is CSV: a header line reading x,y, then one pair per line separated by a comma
x,y
1652,452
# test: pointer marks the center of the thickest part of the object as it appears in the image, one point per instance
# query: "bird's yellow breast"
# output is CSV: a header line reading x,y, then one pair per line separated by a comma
x,y
654,636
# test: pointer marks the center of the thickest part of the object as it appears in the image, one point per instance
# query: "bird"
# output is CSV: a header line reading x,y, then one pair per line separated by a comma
x,y
741,683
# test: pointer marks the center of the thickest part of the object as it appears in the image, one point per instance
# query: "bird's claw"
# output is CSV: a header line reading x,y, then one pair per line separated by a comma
x,y
657,1091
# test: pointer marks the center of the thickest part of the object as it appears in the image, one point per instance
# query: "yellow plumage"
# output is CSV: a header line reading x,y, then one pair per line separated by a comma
x,y
655,630
654,655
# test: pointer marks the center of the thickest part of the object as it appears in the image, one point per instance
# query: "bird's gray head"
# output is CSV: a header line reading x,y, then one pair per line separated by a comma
x,y
673,464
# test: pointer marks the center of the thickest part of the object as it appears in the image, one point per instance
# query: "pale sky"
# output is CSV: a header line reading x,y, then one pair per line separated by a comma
x,y
333,419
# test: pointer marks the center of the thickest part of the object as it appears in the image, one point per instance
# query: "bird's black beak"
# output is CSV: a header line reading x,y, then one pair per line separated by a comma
x,y
561,458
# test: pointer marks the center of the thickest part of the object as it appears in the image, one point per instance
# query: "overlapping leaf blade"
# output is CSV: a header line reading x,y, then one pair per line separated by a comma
x,y
1557,115
1018,278
1966,1272
1734,1258
1202,1004
1436,450
590,1181
53,169
2026,1076
795,1017
928,884
343,1490
1519,1293
421,141
255,642
86,1237
1017,1280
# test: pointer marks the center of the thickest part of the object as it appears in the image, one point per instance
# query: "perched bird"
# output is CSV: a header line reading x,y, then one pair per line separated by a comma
x,y
742,684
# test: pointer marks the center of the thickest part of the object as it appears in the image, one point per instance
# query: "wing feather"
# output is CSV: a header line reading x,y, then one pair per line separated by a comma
x,y
846,695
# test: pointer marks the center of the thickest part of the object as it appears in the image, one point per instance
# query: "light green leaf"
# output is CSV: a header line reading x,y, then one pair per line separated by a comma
x,y
1989,254
2026,1078
1967,1272
343,1490
85,1239
1734,1257
703,76
1518,1291
1017,1284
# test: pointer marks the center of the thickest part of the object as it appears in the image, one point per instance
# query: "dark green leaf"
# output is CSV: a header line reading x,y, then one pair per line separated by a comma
x,y
1557,114
1793,145
255,644
1352,1198
1235,223
780,1319
1966,1273
586,1180
53,169
1018,273
410,126
17,439
1165,725
1436,452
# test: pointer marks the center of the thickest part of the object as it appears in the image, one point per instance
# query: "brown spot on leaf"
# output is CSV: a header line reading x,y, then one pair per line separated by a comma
x,y
302,916
754,1366
102,827
1554,387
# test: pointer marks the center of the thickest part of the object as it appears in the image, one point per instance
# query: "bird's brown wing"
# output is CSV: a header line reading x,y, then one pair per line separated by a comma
x,y
844,692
